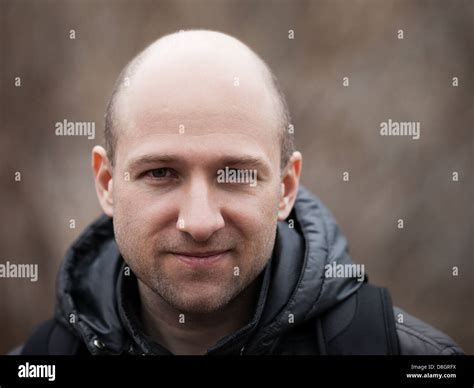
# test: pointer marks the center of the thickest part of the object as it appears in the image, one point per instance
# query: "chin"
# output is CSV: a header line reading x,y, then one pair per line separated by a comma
x,y
201,301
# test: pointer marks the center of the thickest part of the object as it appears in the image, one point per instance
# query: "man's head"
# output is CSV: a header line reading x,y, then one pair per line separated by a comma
x,y
190,106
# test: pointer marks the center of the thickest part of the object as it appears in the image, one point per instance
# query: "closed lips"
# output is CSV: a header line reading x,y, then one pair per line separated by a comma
x,y
201,259
200,255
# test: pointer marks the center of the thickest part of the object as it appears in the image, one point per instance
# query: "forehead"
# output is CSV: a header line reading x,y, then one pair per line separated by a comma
x,y
198,102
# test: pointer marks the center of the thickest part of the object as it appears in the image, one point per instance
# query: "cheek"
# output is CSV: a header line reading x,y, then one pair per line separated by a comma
x,y
140,216
267,205
255,217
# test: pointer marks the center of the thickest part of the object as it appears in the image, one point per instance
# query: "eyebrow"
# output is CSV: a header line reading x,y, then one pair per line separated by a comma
x,y
231,161
150,159
247,161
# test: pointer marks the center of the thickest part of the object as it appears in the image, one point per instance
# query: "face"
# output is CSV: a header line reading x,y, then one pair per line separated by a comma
x,y
194,239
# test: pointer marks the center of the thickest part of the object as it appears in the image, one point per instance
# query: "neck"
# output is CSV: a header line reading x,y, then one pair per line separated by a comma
x,y
198,332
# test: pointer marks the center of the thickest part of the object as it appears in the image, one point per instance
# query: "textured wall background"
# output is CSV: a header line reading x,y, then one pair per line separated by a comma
x,y
337,130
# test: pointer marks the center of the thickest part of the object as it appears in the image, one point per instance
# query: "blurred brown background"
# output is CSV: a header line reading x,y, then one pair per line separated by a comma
x,y
337,129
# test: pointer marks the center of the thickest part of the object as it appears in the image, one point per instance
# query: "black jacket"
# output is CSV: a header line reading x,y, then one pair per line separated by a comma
x,y
96,303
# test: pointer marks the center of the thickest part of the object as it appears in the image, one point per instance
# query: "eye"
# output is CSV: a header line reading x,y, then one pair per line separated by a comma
x,y
160,173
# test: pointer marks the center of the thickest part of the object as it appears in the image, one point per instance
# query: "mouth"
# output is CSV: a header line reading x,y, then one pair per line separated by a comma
x,y
201,259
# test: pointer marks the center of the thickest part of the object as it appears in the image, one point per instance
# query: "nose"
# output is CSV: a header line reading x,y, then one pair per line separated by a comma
x,y
199,215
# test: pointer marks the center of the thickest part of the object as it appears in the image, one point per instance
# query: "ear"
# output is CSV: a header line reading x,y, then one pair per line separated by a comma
x,y
101,167
289,185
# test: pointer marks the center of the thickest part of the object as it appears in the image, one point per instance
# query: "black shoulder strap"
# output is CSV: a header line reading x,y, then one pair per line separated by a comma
x,y
51,338
363,324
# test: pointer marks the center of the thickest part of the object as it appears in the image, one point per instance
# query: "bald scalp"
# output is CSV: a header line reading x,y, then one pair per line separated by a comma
x,y
186,42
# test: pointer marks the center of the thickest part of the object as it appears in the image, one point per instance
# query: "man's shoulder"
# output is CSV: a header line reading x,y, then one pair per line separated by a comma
x,y
418,338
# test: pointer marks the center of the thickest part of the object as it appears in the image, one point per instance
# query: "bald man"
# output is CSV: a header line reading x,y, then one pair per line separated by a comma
x,y
208,244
